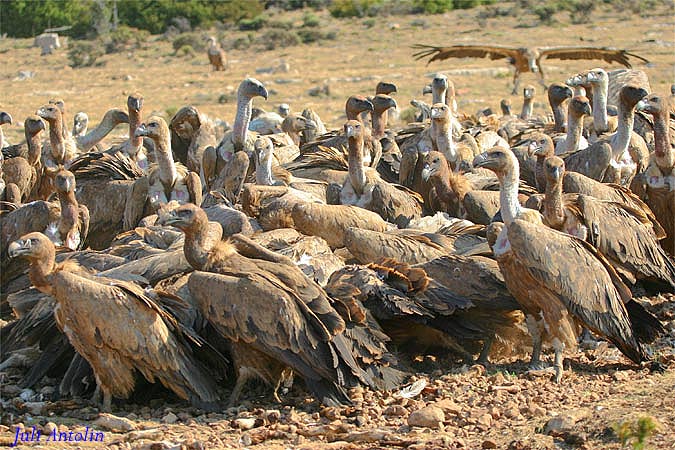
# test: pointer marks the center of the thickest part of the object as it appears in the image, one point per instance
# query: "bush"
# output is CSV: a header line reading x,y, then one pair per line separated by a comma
x,y
545,12
432,6
281,24
84,53
242,43
310,20
580,10
194,40
354,8
125,38
276,38
309,36
253,24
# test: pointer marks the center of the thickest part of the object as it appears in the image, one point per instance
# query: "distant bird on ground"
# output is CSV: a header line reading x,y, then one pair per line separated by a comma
x,y
217,56
525,59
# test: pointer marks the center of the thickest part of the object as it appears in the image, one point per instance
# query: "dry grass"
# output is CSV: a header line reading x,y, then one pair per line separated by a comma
x,y
352,64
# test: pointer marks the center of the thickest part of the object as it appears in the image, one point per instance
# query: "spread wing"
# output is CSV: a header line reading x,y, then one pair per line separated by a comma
x,y
465,51
580,278
606,54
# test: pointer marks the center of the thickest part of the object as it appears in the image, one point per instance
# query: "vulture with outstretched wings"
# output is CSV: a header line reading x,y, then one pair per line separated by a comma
x,y
524,59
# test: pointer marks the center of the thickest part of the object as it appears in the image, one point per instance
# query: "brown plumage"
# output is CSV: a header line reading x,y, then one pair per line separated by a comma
x,y
578,286
235,297
448,188
73,225
116,327
525,59
624,235
216,55
657,184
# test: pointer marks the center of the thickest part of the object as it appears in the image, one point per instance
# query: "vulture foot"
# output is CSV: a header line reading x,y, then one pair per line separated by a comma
x,y
558,365
285,382
485,352
587,341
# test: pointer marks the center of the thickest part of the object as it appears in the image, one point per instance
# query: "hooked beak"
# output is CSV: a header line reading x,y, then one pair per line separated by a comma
x,y
349,130
5,118
556,173
642,105
18,248
426,89
263,92
533,148
426,172
41,112
135,103
482,160
142,130
436,113
170,218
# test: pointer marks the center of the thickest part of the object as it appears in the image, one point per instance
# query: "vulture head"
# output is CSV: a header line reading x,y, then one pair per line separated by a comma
x,y
652,104
59,104
49,112
426,89
356,104
33,125
186,217
555,169
64,181
32,246
297,123
498,159
251,87
580,105
263,149
440,82
80,123
385,88
597,76
353,129
284,109
135,102
492,232
5,118
440,112
528,92
186,122
505,106
155,128
558,93
532,55
541,145
434,163
630,95
382,102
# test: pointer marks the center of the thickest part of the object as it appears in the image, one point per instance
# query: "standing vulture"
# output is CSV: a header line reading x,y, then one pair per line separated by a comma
x,y
524,59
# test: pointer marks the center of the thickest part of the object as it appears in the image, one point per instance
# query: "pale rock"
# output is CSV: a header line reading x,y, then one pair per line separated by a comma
x,y
448,406
429,416
49,428
244,423
170,418
114,423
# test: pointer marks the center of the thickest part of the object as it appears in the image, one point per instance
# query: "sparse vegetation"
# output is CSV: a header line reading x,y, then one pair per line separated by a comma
x,y
635,434
84,53
310,20
194,40
276,38
124,38
354,8
256,23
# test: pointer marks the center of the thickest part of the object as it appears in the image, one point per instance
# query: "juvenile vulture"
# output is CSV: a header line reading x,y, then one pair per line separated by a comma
x,y
275,317
116,327
524,59
216,54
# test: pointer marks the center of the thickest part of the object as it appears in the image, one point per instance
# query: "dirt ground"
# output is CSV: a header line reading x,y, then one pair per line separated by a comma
x,y
500,406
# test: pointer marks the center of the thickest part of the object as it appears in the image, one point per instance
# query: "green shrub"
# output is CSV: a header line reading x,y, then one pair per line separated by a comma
x,y
545,12
354,8
194,40
253,24
432,6
242,43
276,38
281,24
125,38
309,36
310,20
84,53
580,10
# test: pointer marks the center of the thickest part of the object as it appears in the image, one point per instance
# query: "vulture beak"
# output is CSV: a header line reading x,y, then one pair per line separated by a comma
x,y
573,81
426,89
5,118
349,130
482,160
41,112
556,173
533,148
142,130
169,218
587,109
18,248
426,172
642,105
436,113
263,92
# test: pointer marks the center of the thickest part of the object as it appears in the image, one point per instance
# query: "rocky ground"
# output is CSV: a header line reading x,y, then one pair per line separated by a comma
x,y
600,400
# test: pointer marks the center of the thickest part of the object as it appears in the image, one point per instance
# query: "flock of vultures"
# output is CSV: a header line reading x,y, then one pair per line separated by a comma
x,y
280,248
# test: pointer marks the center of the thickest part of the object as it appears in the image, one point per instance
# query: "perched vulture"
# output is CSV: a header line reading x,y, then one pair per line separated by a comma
x,y
524,59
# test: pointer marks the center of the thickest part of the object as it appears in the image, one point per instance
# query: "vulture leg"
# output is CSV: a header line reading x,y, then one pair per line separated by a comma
x,y
242,378
96,397
107,401
487,346
586,340
516,82
286,379
533,328
558,360
541,77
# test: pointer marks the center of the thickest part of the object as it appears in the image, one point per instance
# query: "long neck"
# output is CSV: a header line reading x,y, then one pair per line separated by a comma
x,y
2,138
441,181
560,121
69,212
357,174
34,148
553,208
195,246
164,158
295,136
540,173
621,138
379,123
438,95
663,153
508,195
441,135
263,173
526,112
134,122
96,135
56,138
241,121
575,126
40,273
600,122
